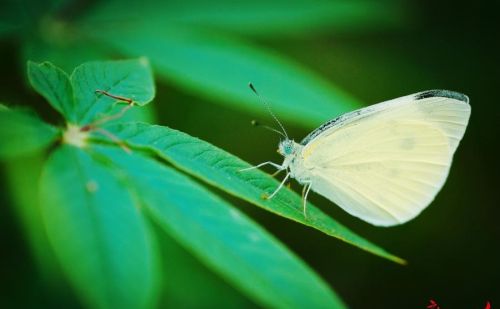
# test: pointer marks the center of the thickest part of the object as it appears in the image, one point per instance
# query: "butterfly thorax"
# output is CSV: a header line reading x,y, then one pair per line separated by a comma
x,y
291,151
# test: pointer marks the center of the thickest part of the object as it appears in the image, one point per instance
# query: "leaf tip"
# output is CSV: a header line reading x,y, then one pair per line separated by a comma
x,y
31,65
400,261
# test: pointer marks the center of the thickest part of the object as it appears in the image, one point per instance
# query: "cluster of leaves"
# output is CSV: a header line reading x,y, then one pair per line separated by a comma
x,y
209,50
98,201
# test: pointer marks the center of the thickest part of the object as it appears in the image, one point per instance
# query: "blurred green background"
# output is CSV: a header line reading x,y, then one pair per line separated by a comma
x,y
365,52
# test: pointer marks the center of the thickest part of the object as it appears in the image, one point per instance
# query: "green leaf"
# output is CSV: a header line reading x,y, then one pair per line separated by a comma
x,y
223,237
22,177
221,169
54,85
22,133
258,17
190,284
131,79
282,17
221,68
98,232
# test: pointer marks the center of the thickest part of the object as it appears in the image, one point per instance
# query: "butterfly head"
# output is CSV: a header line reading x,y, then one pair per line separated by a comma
x,y
286,147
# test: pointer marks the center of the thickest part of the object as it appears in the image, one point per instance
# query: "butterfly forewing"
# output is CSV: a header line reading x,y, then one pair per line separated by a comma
x,y
446,109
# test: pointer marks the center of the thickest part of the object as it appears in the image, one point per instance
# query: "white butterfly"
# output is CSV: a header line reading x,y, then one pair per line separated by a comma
x,y
384,163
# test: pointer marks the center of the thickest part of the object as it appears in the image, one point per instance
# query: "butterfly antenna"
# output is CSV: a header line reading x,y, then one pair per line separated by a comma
x,y
255,123
269,110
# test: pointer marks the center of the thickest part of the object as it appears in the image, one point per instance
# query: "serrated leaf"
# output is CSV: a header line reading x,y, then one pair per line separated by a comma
x,y
220,68
221,169
223,237
131,79
54,85
98,232
22,133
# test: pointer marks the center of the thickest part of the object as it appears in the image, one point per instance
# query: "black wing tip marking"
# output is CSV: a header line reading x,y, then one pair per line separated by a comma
x,y
442,94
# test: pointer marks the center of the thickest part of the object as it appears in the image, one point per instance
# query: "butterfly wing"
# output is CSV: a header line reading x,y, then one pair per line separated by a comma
x,y
386,163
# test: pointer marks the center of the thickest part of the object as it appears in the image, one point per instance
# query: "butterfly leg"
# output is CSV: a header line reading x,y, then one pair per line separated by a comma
x,y
279,167
305,192
279,187
277,172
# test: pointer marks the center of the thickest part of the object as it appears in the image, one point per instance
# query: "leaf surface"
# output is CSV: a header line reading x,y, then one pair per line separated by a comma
x,y
98,232
189,283
54,85
223,237
23,133
259,17
221,169
131,79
